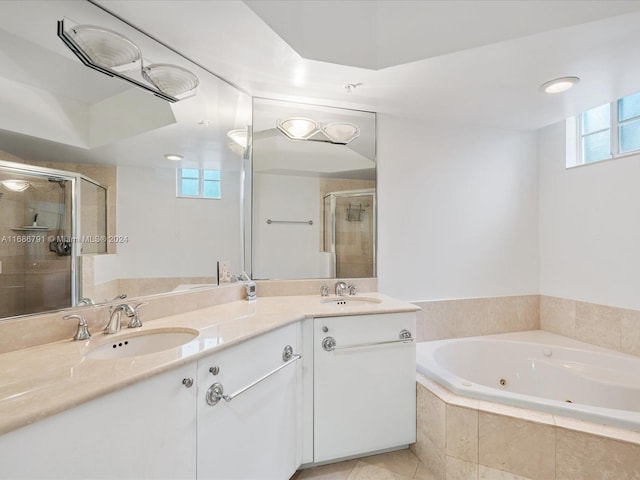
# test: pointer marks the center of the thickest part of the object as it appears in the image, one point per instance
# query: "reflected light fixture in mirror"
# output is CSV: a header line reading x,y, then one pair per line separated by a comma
x,y
239,136
16,185
341,132
174,157
559,85
298,128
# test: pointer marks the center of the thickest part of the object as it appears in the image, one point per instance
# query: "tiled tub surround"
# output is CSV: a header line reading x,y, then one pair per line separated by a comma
x,y
47,379
459,438
606,326
442,319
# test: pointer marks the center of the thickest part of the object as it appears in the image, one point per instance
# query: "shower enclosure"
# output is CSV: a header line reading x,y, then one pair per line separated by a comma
x,y
48,218
349,224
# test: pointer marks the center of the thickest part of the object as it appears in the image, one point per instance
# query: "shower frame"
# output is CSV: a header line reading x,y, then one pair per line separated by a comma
x,y
332,237
75,179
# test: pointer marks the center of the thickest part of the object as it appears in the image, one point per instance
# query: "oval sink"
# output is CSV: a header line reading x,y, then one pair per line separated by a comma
x,y
350,301
141,343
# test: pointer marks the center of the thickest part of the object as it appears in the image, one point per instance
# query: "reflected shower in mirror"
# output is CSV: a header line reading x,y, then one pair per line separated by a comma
x,y
314,202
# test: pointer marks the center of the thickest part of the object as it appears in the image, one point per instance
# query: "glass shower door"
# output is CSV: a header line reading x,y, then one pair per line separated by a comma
x,y
350,226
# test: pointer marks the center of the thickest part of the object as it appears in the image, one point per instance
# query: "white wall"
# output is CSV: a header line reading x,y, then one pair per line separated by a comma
x,y
458,211
282,250
173,237
589,226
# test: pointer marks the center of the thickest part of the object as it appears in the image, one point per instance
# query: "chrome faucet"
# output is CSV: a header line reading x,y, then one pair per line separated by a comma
x,y
341,288
83,330
114,324
135,321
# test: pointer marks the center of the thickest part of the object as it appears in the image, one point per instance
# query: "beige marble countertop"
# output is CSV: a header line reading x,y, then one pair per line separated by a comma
x,y
41,381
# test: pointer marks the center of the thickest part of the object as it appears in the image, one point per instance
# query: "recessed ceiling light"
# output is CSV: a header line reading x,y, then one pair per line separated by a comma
x,y
173,157
559,84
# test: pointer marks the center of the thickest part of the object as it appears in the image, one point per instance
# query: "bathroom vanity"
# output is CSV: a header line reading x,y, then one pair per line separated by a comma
x,y
257,393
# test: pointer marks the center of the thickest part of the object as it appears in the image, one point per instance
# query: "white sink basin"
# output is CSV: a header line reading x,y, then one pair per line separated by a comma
x,y
141,343
350,301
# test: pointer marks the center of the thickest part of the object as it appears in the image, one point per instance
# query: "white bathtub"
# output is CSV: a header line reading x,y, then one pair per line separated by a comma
x,y
540,371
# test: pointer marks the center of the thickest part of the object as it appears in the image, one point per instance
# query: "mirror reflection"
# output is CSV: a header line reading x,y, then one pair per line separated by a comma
x,y
113,148
314,200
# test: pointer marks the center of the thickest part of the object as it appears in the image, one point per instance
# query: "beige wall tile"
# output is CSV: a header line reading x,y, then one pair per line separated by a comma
x,y
502,315
589,457
437,324
528,312
558,315
461,470
462,433
598,324
517,446
630,332
432,456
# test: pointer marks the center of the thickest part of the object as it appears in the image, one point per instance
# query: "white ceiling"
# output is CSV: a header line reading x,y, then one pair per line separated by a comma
x,y
477,62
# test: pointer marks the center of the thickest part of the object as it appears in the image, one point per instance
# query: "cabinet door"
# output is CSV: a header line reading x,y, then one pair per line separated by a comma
x,y
146,430
364,396
255,435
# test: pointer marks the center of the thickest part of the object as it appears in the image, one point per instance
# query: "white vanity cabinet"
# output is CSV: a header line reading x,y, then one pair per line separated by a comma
x,y
254,433
146,430
364,384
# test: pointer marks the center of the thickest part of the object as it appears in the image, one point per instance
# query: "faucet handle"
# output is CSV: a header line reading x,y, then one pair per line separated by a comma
x,y
352,289
135,321
83,330
324,291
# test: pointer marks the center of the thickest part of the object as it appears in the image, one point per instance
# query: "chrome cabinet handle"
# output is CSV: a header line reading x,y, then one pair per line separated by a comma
x,y
187,382
329,344
215,393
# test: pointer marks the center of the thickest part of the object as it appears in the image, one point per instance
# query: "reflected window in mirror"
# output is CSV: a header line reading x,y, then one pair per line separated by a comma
x,y
198,183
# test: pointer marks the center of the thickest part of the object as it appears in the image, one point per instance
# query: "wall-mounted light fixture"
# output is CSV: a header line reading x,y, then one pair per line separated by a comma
x,y
15,185
116,56
301,128
559,84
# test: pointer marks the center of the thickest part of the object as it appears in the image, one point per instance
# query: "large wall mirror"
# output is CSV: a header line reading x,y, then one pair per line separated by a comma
x,y
314,192
88,189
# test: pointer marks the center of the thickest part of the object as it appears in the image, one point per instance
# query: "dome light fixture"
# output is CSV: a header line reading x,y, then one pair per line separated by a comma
x,y
341,132
298,128
558,85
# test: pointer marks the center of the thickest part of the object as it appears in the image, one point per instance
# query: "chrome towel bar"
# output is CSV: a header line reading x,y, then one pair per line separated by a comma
x,y
216,391
308,222
329,343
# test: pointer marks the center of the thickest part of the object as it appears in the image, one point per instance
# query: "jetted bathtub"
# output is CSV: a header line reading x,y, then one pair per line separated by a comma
x,y
539,370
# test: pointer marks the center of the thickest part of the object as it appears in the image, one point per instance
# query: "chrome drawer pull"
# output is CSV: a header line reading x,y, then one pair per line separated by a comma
x,y
216,391
329,343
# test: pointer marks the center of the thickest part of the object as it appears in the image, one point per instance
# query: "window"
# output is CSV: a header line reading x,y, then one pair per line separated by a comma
x,y
196,183
604,132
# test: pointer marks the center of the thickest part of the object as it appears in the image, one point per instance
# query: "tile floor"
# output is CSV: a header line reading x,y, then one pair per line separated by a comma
x,y
398,465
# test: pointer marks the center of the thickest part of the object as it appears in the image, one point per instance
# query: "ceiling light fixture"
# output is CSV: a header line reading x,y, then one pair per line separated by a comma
x,y
116,56
559,84
15,185
174,157
298,128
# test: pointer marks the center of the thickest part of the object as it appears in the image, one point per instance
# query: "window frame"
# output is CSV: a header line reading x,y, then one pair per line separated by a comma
x,y
201,183
575,130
